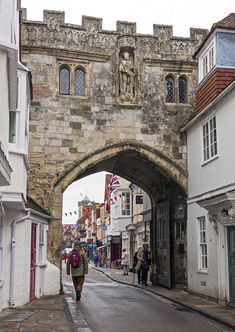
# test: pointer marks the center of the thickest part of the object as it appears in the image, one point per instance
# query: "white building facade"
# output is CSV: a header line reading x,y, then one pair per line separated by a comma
x,y
25,272
211,158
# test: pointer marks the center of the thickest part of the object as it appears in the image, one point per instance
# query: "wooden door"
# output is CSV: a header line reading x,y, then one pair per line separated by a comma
x,y
33,262
163,245
231,263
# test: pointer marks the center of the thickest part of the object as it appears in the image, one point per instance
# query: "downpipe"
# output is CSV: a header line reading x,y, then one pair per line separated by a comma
x,y
13,256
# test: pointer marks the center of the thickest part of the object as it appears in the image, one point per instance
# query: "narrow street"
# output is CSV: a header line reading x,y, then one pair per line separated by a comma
x,y
109,306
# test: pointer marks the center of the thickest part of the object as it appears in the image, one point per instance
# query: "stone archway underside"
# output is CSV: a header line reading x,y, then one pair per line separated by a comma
x,y
136,162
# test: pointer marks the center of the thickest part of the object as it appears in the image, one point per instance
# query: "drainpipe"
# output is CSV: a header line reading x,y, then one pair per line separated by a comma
x,y
13,255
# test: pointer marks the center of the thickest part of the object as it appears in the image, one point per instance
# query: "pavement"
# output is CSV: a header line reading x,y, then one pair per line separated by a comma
x,y
60,313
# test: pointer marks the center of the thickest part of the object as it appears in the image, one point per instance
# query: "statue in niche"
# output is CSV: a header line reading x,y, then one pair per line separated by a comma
x,y
127,73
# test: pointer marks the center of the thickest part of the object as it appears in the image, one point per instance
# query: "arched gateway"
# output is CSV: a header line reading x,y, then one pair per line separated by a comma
x,y
114,101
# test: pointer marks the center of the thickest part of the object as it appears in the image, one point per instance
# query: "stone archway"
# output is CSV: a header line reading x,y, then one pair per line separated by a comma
x,y
145,166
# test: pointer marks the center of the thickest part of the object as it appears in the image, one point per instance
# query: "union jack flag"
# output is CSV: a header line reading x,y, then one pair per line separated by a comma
x,y
114,183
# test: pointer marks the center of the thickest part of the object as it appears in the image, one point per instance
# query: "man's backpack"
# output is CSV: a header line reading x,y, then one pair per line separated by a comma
x,y
75,259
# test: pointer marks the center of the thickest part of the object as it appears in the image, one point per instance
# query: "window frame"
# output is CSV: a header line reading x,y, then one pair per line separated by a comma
x,y
167,77
183,77
203,261
19,143
42,247
209,139
208,60
79,68
126,204
62,67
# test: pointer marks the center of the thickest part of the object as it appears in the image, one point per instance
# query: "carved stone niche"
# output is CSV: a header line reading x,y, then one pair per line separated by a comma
x,y
127,76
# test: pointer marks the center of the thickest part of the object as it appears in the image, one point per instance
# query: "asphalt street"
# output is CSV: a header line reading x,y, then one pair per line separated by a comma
x,y
108,306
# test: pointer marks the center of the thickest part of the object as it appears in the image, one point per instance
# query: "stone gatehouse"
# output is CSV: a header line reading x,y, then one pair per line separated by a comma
x,y
114,101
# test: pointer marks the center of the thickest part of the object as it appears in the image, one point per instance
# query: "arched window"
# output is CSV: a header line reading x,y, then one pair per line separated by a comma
x,y
79,82
170,87
64,81
183,89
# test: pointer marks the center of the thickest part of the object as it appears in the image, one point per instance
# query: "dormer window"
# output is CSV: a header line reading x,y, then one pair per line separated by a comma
x,y
208,61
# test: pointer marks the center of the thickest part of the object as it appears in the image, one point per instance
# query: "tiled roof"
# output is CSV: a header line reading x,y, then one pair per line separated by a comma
x,y
228,22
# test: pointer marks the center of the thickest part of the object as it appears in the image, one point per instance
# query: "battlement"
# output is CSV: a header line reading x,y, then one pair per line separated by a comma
x,y
94,24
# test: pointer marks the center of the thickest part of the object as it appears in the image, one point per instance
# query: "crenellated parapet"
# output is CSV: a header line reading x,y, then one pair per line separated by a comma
x,y
53,32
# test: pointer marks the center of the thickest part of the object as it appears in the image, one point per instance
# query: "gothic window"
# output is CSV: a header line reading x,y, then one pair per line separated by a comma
x,y
183,90
79,82
170,87
64,81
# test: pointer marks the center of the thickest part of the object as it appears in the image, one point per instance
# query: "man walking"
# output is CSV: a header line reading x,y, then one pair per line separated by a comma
x,y
78,264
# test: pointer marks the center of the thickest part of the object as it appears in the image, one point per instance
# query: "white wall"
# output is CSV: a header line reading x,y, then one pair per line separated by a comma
x,y
197,278
207,180
217,173
47,275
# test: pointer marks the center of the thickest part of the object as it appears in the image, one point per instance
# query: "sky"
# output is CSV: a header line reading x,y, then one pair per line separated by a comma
x,y
181,14
91,186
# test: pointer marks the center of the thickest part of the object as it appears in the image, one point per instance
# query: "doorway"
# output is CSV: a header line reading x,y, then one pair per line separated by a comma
x,y
33,262
231,263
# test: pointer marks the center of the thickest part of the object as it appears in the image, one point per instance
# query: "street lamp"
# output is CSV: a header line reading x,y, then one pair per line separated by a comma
x,y
130,229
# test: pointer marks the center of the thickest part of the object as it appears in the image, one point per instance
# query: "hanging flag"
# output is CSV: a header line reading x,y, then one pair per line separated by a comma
x,y
120,195
132,187
107,206
115,198
114,183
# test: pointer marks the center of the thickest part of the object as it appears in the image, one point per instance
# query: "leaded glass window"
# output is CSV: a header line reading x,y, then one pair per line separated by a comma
x,y
64,81
170,86
79,82
183,89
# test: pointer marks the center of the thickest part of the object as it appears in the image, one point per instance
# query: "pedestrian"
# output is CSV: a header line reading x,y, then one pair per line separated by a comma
x,y
138,267
96,259
146,262
125,261
77,264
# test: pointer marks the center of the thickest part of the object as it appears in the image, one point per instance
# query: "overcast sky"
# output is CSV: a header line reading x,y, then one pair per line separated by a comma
x,y
181,14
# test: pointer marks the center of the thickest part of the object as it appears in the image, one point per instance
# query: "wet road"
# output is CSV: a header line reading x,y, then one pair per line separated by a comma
x,y
111,307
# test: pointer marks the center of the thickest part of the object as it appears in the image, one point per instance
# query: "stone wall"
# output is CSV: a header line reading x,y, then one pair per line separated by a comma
x,y
63,128
120,109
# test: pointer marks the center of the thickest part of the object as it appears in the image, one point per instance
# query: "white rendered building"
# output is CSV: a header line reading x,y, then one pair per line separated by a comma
x,y
211,158
25,272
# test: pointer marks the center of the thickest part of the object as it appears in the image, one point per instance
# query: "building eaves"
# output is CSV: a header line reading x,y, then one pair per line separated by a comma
x,y
227,23
222,95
